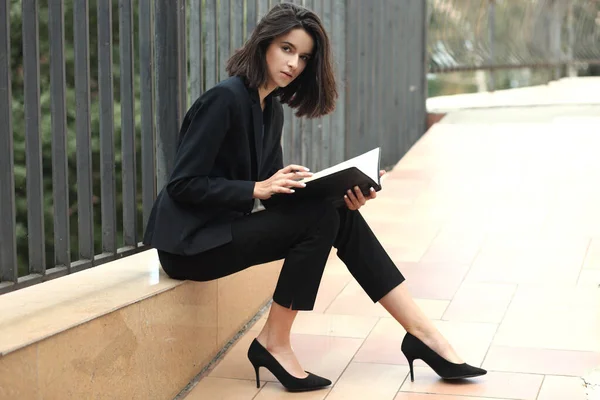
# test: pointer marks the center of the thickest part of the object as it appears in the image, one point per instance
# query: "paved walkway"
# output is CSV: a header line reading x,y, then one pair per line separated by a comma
x,y
494,218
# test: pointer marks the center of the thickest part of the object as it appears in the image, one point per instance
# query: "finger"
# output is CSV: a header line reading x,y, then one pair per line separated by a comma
x,y
297,175
372,194
381,173
349,203
293,183
289,183
353,199
359,195
282,189
294,167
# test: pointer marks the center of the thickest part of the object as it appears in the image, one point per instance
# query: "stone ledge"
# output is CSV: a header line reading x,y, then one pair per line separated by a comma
x,y
122,330
37,312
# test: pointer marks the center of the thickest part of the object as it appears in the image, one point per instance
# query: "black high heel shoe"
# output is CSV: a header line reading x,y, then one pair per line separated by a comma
x,y
414,349
260,357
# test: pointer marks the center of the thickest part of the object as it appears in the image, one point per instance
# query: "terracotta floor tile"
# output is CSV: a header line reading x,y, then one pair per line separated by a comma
x,y
547,259
323,355
354,301
382,346
351,326
480,302
433,309
592,259
453,247
275,391
423,396
223,389
562,388
494,384
433,281
331,286
369,381
540,361
565,318
470,340
589,278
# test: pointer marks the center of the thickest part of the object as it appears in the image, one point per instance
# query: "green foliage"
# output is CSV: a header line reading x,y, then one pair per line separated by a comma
x,y
18,123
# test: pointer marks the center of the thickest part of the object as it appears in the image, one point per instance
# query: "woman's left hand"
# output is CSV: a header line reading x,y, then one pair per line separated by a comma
x,y
355,200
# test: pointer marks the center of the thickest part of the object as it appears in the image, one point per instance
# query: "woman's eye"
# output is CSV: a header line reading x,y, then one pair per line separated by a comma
x,y
286,48
305,58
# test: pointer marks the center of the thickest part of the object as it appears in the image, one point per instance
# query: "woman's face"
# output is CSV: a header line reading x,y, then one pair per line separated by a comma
x,y
287,56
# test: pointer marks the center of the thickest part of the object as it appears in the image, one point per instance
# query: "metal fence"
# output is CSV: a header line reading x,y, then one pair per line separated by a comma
x,y
469,35
88,133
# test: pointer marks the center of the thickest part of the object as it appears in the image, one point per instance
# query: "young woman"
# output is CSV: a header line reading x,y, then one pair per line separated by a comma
x,y
229,163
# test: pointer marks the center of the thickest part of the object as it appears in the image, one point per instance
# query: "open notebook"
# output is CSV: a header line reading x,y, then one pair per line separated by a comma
x,y
333,182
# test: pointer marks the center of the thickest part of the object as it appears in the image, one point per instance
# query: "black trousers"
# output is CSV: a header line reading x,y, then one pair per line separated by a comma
x,y
303,235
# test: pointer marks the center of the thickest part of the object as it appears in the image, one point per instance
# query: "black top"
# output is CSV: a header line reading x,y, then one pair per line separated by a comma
x,y
222,151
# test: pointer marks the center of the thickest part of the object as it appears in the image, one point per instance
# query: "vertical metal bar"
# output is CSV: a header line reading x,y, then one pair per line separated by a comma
x,y
224,37
8,234
196,50
127,123
181,61
388,75
422,95
401,91
350,63
571,69
338,119
314,124
379,135
308,158
291,152
412,66
237,24
33,142
167,83
492,39
107,144
251,17
58,109
325,123
210,21
147,109
369,62
263,8
84,145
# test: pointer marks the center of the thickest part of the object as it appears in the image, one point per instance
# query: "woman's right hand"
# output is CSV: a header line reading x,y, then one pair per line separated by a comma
x,y
283,181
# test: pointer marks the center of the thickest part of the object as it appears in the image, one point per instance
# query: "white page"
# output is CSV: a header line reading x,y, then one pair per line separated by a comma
x,y
368,163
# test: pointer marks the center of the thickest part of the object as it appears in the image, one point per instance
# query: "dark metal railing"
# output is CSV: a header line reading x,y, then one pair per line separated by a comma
x,y
88,134
491,35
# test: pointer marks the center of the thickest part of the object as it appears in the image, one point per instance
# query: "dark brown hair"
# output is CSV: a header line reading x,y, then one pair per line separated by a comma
x,y
314,92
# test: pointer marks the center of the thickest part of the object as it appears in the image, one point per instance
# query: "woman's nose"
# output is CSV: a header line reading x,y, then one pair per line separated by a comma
x,y
293,62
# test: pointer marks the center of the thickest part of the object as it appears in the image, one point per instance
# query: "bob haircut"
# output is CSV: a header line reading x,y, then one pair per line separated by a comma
x,y
313,93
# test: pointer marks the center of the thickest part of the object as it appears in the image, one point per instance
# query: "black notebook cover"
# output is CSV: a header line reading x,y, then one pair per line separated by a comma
x,y
333,186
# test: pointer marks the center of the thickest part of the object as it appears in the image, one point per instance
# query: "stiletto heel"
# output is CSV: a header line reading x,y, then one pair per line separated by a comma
x,y
413,349
257,377
260,357
412,374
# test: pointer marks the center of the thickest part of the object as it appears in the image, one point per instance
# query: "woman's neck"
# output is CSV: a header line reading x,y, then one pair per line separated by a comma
x,y
263,92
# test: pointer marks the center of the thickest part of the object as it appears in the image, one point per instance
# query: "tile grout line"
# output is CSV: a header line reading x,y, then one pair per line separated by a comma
x,y
585,256
221,353
352,358
540,389
462,282
500,323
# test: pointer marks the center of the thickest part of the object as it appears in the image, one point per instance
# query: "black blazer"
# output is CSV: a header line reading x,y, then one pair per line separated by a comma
x,y
221,153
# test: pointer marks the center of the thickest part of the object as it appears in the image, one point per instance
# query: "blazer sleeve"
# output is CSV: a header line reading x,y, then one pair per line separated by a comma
x,y
196,154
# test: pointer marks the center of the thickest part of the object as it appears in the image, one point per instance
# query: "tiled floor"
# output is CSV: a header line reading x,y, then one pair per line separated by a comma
x,y
497,228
